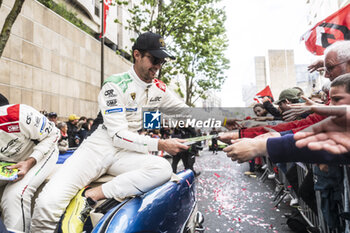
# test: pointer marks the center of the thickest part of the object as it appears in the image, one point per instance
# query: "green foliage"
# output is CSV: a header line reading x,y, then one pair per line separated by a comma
x,y
61,9
195,30
178,90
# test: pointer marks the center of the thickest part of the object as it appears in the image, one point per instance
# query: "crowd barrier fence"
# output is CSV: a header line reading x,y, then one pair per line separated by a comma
x,y
284,189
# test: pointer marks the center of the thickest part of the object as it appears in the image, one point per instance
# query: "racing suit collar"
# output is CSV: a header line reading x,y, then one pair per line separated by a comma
x,y
138,80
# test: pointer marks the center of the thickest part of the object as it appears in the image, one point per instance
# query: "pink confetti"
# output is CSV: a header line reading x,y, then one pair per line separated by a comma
x,y
217,175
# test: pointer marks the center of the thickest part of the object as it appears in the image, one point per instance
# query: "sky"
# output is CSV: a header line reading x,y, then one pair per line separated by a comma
x,y
253,27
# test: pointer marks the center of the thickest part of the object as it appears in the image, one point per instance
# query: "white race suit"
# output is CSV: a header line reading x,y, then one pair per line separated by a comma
x,y
25,133
115,148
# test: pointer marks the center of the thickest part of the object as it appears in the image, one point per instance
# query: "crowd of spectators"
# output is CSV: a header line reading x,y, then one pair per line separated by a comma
x,y
310,134
73,131
283,133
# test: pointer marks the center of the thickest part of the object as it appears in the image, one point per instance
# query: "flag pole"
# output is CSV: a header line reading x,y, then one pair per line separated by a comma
x,y
102,42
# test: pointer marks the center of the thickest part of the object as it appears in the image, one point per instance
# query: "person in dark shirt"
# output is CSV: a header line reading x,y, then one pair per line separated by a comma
x,y
72,130
214,141
188,156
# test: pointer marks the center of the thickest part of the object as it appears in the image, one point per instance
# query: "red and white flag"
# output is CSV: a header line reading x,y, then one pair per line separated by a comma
x,y
106,4
335,27
265,92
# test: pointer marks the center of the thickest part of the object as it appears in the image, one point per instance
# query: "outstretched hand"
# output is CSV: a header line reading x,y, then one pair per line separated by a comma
x,y
299,109
227,137
246,149
232,124
317,65
332,142
331,134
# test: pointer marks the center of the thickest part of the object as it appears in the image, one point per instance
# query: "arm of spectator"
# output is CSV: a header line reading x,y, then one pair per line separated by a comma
x,y
280,150
300,109
338,111
232,124
265,118
266,99
308,103
284,150
294,113
271,109
270,134
331,134
246,149
332,142
228,136
252,123
317,65
339,121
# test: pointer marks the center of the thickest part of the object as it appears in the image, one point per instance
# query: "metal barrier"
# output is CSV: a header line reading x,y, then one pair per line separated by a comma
x,y
315,220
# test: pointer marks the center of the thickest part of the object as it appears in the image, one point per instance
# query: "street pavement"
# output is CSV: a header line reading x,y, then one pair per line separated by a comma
x,y
233,202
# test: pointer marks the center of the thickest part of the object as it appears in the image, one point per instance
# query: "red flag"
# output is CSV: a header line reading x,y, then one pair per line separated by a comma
x,y
106,3
265,92
334,27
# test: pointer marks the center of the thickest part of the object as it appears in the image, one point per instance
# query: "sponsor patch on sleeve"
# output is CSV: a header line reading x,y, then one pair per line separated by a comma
x,y
43,125
11,128
130,109
113,110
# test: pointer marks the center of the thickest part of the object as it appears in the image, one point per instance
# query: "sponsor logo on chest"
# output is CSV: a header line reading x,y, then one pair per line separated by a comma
x,y
155,99
110,93
112,102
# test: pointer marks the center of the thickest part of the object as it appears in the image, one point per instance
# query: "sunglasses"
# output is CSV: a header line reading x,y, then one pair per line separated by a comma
x,y
155,60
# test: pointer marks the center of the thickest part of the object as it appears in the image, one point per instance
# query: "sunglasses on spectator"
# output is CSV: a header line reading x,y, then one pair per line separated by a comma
x,y
155,60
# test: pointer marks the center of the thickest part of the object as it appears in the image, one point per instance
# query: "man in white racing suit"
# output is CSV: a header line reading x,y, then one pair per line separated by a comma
x,y
29,140
115,147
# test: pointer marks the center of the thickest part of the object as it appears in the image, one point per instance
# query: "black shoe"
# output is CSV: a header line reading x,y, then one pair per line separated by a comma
x,y
197,174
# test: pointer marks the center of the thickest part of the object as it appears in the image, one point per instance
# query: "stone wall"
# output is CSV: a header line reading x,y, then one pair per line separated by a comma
x,y
52,65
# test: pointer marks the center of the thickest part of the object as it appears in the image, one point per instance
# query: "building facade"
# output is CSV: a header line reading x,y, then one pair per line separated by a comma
x,y
50,64
90,12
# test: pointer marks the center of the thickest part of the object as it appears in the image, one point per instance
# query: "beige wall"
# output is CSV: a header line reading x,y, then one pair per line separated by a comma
x,y
51,65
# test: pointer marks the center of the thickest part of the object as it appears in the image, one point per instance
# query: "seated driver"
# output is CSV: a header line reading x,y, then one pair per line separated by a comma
x,y
115,148
29,140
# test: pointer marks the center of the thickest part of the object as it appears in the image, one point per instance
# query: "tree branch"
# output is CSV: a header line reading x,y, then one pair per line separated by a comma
x,y
194,101
10,20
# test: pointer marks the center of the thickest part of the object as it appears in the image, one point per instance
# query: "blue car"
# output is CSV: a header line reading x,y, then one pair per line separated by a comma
x,y
170,208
